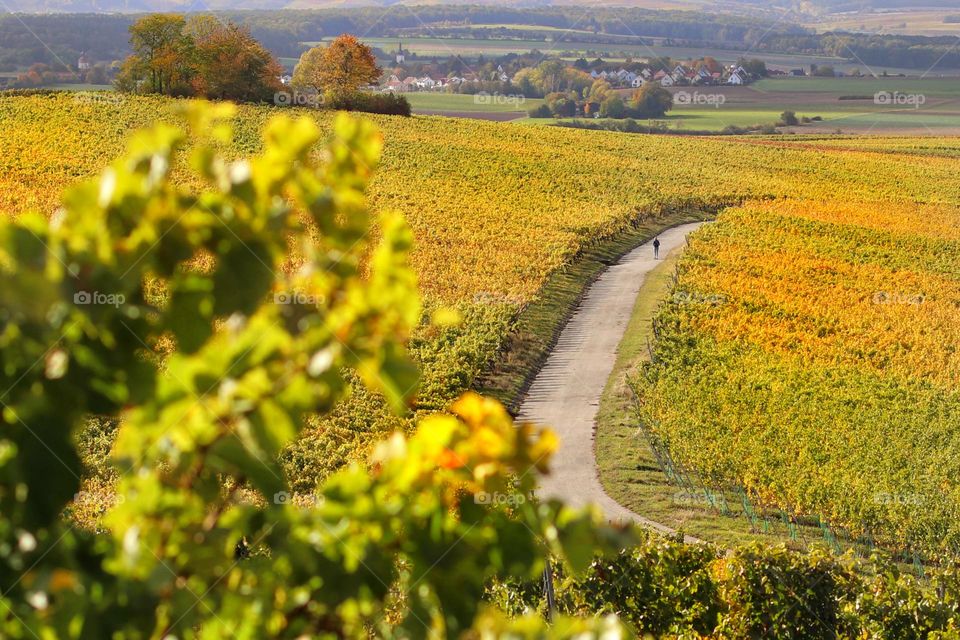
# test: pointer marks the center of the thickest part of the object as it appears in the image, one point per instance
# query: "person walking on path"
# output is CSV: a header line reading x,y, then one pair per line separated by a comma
x,y
656,248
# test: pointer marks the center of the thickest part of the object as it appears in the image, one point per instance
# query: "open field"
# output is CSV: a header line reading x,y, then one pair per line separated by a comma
x,y
531,27
434,102
763,102
928,106
916,21
926,122
930,85
774,60
834,122
429,47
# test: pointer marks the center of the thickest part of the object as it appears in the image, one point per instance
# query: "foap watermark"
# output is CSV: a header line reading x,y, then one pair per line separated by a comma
x,y
487,297
297,99
695,297
888,297
297,298
514,99
698,99
303,500
106,499
502,499
690,499
98,298
912,499
98,97
898,99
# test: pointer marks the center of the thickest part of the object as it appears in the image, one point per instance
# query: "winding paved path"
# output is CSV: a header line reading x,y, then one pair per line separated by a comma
x,y
565,395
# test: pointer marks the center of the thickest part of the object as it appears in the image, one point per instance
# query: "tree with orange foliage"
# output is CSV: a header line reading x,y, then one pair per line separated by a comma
x,y
230,63
203,56
338,69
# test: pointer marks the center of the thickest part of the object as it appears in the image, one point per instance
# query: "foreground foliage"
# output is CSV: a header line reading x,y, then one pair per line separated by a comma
x,y
202,56
211,379
667,589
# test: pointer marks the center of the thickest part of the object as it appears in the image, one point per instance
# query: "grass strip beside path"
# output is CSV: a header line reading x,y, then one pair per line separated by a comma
x,y
628,470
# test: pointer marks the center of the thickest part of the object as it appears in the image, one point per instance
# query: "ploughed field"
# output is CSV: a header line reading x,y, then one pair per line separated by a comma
x,y
809,356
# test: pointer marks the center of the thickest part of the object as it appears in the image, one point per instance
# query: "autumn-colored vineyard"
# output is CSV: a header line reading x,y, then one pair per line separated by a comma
x,y
810,356
822,374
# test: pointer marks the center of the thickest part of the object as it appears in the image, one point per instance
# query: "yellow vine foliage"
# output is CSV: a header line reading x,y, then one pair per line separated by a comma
x,y
495,209
810,355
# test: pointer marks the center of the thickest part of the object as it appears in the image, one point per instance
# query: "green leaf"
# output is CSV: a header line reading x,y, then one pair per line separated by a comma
x,y
229,455
244,276
191,312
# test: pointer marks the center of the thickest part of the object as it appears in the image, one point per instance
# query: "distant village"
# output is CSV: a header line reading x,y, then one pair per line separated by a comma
x,y
705,71
85,71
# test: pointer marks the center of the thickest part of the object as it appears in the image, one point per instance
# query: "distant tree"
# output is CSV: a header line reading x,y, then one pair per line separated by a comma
x,y
562,105
651,101
710,64
600,91
338,69
662,63
97,75
789,118
229,63
754,66
306,72
540,111
548,76
457,65
613,107
524,84
825,71
204,56
161,56
554,76
581,64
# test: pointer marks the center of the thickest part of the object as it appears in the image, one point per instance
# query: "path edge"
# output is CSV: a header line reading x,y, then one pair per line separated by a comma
x,y
510,383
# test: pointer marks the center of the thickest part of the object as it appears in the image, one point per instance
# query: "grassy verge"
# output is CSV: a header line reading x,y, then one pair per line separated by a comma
x,y
456,102
627,467
539,324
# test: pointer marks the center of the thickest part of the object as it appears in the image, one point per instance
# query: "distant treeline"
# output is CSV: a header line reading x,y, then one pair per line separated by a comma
x,y
839,6
60,38
908,52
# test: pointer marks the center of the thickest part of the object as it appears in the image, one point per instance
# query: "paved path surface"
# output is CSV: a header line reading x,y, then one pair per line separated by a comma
x,y
565,395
